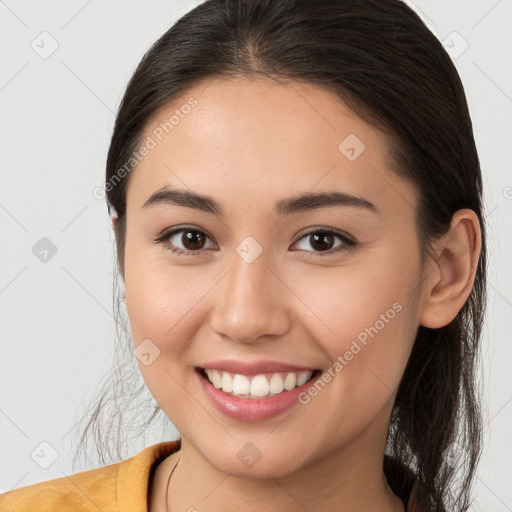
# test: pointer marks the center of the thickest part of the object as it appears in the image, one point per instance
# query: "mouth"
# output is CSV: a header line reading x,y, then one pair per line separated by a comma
x,y
260,386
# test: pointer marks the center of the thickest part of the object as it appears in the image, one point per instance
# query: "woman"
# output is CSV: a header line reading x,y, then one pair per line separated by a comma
x,y
297,204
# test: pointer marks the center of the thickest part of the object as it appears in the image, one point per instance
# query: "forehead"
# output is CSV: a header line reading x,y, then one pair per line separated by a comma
x,y
258,139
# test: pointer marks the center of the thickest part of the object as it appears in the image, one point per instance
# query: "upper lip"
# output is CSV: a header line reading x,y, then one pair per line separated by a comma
x,y
254,368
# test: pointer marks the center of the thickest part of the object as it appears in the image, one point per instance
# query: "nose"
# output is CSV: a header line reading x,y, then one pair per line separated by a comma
x,y
251,302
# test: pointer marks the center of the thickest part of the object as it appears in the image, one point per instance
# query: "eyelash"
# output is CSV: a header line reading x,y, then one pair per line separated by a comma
x,y
347,245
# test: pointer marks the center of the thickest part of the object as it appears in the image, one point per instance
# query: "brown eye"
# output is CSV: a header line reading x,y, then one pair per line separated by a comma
x,y
192,239
322,242
184,241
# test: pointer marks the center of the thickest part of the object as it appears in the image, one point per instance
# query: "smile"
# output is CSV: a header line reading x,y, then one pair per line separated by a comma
x,y
257,386
256,395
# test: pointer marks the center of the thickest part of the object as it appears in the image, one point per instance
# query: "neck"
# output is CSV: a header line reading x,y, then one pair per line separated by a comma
x,y
359,485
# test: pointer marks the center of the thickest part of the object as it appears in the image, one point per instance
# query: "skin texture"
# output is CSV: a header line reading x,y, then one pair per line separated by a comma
x,y
249,144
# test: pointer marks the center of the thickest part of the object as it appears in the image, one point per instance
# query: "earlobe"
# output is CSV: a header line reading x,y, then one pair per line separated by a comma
x,y
113,221
450,283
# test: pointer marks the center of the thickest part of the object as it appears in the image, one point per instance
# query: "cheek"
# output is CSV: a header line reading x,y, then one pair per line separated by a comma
x,y
157,295
160,305
167,305
363,315
366,354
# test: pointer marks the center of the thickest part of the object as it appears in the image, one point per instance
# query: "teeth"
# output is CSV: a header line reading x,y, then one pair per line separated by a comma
x,y
303,377
216,379
241,384
290,381
276,384
227,382
258,386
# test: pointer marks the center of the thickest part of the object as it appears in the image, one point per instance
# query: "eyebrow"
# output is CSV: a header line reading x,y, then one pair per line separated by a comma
x,y
295,204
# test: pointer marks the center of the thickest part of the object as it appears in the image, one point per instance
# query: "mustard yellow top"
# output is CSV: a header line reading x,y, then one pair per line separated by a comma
x,y
114,488
120,487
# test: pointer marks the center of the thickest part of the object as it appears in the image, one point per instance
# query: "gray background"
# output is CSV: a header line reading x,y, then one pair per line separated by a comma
x,y
57,115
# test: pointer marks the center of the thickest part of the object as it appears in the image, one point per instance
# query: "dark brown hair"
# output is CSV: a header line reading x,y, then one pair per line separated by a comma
x,y
381,59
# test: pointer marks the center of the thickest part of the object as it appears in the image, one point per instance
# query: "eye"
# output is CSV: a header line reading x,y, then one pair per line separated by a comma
x,y
192,240
322,241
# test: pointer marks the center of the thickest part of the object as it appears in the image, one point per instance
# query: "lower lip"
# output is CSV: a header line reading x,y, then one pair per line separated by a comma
x,y
252,409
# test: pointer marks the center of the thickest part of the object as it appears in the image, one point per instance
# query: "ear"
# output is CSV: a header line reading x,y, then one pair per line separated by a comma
x,y
450,282
113,220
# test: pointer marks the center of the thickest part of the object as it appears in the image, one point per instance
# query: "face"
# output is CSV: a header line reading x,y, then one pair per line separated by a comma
x,y
324,285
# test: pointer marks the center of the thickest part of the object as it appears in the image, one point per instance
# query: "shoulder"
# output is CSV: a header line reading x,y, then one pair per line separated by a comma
x,y
108,488
74,492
